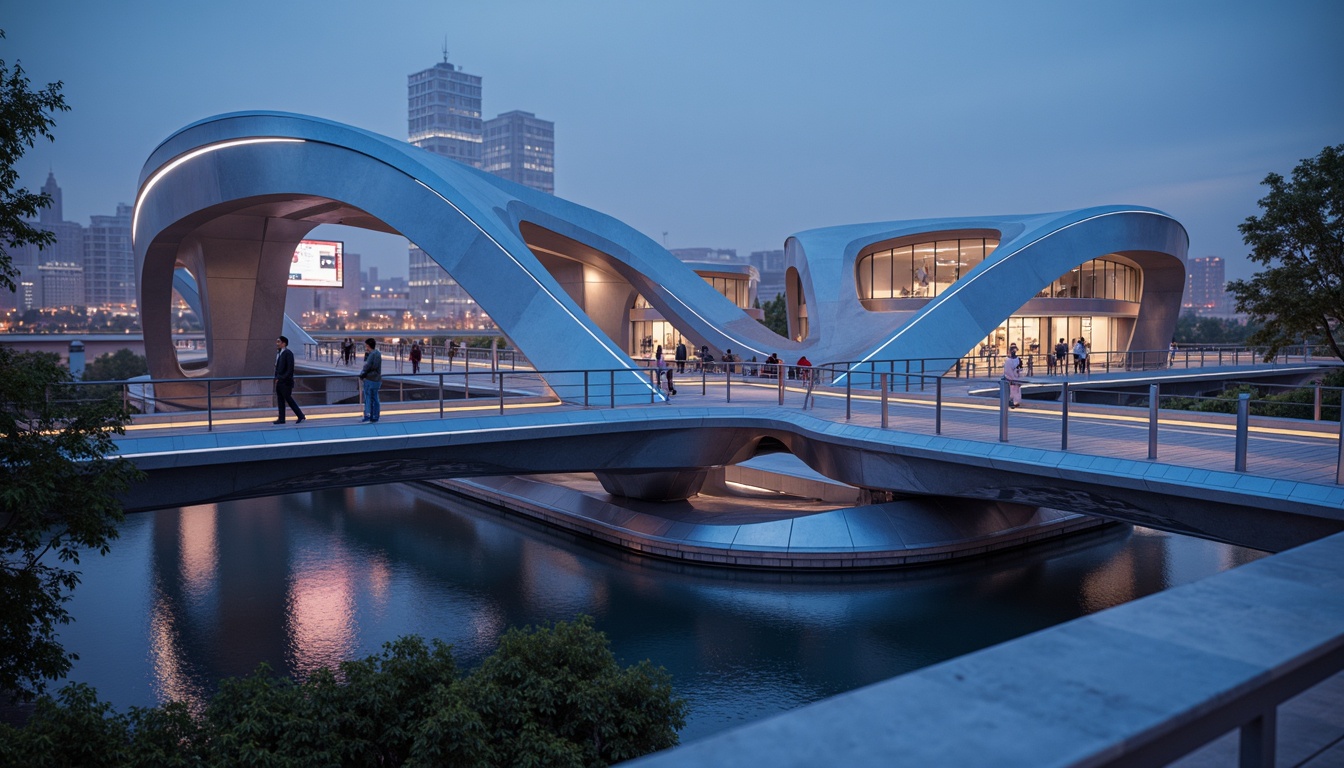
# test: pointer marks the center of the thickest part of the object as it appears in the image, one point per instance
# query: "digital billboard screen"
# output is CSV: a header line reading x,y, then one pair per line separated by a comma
x,y
318,264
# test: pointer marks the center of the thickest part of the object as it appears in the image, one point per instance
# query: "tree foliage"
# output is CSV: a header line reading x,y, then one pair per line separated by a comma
x,y
553,696
58,498
776,315
1193,329
116,366
1300,240
25,115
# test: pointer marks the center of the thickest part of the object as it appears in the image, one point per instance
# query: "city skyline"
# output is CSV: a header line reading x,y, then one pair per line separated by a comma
x,y
736,127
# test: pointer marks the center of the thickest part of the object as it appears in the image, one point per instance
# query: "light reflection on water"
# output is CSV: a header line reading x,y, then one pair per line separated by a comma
x,y
299,582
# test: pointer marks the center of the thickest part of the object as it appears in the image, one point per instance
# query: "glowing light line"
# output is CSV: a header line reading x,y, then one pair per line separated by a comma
x,y
195,153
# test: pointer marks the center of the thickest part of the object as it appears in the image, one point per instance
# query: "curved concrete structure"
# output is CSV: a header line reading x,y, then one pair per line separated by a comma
x,y
228,199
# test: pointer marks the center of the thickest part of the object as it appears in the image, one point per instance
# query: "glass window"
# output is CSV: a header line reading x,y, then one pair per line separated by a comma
x,y
882,275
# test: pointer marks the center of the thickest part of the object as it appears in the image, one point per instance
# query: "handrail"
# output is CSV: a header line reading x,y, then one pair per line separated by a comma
x,y
609,386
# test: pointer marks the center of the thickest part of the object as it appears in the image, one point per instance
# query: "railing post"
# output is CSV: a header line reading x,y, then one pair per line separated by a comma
x,y
907,375
656,380
1154,398
585,389
501,393
779,371
728,381
1243,427
466,380
210,406
1259,740
921,374
703,373
1003,410
1339,461
937,405
849,389
612,388
1064,415
883,379
1316,399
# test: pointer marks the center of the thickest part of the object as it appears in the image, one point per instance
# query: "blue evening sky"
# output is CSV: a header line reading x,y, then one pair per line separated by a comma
x,y
735,124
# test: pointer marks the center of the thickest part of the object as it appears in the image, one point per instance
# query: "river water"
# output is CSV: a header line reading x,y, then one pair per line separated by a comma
x,y
188,596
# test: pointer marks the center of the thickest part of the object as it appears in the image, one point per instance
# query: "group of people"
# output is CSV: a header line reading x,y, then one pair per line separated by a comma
x,y
371,375
705,362
1057,361
1013,366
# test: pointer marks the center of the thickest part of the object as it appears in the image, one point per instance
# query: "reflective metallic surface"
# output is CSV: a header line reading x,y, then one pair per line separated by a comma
x,y
189,596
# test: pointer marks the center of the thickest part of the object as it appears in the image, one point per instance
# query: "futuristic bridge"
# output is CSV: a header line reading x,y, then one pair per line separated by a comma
x,y
227,199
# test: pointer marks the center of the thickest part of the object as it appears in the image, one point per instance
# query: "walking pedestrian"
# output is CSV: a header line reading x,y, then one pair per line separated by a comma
x,y
284,380
681,356
416,356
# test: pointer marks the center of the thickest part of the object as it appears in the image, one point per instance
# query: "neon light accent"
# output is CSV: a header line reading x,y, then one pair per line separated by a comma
x,y
175,162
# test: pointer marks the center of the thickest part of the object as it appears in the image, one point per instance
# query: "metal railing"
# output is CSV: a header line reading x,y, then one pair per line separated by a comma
x,y
433,356
486,381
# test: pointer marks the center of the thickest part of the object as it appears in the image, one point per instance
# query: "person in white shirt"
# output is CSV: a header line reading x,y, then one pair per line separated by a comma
x,y
1012,371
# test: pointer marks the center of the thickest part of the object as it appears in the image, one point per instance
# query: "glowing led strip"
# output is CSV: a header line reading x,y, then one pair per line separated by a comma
x,y
159,174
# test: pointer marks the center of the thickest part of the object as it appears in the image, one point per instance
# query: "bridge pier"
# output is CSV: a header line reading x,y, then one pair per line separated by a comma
x,y
674,485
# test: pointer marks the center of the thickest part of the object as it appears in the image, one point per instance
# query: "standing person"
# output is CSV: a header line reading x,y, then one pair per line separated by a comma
x,y
1061,353
1171,354
681,357
1012,371
284,380
1080,356
372,376
416,356
452,352
728,360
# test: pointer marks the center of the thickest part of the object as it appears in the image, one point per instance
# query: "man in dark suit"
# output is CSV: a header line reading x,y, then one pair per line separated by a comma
x,y
284,380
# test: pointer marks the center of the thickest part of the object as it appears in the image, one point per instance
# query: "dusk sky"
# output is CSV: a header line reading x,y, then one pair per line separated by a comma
x,y
733,125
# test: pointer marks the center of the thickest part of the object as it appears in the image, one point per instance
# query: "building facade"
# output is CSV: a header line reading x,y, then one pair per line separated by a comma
x,y
109,261
62,285
520,147
1206,287
444,112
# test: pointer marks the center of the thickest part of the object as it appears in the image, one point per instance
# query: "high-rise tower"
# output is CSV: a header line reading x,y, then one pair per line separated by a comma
x,y
444,112
520,147
1206,286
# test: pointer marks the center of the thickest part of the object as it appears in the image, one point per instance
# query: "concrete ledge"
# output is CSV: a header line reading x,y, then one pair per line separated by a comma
x,y
1139,684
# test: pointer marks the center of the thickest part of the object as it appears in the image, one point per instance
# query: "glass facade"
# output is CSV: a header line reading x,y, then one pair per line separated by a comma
x,y
647,334
1100,278
922,270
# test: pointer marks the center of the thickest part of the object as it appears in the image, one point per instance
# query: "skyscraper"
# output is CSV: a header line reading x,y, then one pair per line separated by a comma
x,y
1206,286
520,147
109,262
444,116
444,112
69,245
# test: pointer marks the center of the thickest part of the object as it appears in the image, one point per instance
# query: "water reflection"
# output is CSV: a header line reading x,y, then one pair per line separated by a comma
x,y
308,580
